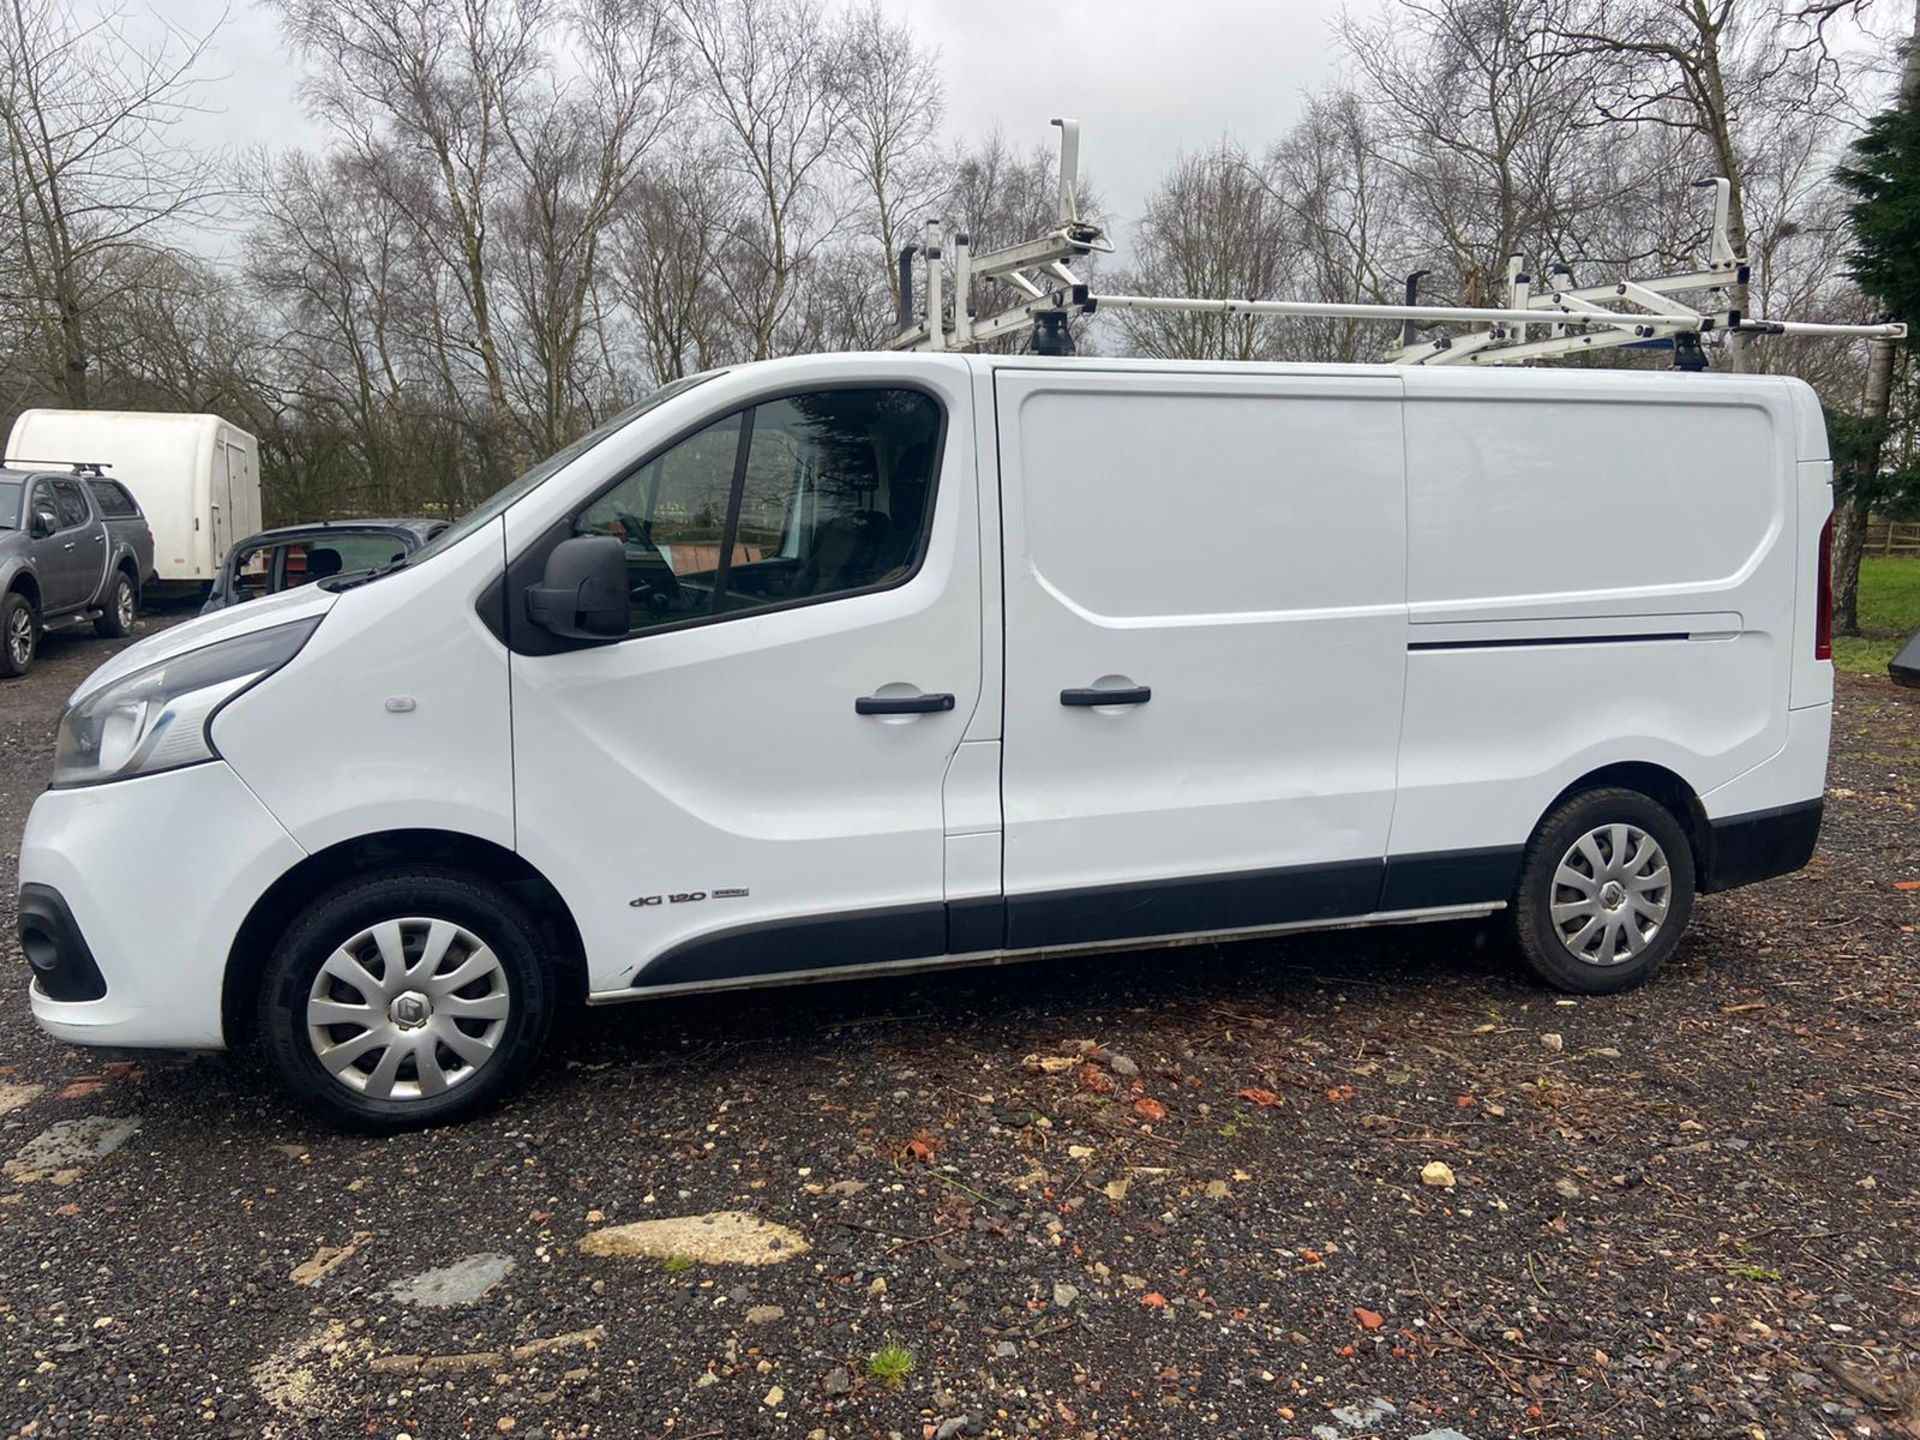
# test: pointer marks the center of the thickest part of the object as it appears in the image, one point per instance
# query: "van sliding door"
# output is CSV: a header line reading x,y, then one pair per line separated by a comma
x,y
1205,648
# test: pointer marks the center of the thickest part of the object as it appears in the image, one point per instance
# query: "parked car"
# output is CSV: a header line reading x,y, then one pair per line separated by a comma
x,y
74,548
197,478
855,664
295,555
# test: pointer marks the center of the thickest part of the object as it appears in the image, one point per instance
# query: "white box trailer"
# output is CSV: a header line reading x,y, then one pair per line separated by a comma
x,y
197,477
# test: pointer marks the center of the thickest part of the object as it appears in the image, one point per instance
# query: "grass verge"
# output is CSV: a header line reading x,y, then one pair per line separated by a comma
x,y
1889,613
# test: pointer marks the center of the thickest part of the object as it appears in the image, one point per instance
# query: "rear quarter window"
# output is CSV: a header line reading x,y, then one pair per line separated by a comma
x,y
112,501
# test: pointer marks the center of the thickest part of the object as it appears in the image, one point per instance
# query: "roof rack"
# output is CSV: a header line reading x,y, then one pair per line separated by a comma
x,y
1537,322
78,467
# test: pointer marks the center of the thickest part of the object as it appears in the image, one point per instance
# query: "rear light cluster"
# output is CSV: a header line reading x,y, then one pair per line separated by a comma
x,y
1823,604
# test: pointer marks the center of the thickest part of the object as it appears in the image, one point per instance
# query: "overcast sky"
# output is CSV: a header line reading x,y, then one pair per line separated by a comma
x,y
1146,78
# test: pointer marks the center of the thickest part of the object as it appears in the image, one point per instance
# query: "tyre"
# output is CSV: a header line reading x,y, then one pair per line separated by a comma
x,y
123,603
409,999
1605,892
19,634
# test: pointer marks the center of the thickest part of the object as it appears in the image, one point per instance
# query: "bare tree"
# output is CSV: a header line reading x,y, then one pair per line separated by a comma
x,y
331,252
1479,114
432,81
1212,228
1711,68
1344,218
181,338
579,150
667,255
771,73
92,170
893,108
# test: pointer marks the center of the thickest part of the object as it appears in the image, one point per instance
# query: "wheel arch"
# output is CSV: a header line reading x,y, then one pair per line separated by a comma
x,y
1659,784
26,582
388,850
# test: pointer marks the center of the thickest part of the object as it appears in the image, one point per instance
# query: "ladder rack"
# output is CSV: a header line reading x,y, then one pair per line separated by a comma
x,y
1560,318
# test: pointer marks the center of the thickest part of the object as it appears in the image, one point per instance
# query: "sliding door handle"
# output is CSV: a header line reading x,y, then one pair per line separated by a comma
x,y
902,704
1130,695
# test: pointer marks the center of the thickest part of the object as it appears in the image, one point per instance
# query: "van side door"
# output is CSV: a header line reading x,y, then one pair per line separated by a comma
x,y
750,781
1205,649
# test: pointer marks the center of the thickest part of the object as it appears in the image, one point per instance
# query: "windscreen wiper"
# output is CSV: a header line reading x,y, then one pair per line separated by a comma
x,y
353,578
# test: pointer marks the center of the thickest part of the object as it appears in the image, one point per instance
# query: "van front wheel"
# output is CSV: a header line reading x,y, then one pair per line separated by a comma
x,y
1605,893
406,1000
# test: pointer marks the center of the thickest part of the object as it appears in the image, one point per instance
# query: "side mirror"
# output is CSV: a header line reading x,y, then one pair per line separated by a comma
x,y
45,522
583,593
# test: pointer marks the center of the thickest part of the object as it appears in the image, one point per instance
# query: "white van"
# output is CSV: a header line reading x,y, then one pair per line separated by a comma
x,y
197,477
857,663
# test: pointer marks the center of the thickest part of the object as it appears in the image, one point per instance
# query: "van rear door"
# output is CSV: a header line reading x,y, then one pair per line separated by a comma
x,y
225,459
1205,648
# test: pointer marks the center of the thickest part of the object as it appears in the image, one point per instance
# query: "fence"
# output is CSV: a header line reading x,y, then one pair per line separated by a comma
x,y
1889,538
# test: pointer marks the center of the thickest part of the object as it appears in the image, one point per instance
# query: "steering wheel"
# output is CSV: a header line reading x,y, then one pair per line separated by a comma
x,y
658,588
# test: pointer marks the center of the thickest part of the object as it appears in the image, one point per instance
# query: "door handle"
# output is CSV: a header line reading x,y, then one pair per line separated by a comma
x,y
901,704
1131,695
68,546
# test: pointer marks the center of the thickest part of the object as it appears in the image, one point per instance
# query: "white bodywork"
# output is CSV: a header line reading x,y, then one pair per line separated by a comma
x,y
197,477
1386,618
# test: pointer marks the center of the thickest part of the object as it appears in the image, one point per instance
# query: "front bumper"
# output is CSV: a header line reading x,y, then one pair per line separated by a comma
x,y
155,876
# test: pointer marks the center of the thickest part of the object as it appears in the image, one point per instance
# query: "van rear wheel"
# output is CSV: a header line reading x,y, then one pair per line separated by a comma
x,y
406,1000
1605,892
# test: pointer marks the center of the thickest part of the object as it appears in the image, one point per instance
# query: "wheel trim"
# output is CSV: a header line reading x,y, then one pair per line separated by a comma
x,y
20,635
408,1009
1611,894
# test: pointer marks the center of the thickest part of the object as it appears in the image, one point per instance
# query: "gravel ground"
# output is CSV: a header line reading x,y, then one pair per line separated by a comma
x,y
1168,1193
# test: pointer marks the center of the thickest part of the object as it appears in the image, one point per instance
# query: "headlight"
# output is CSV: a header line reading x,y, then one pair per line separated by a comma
x,y
157,718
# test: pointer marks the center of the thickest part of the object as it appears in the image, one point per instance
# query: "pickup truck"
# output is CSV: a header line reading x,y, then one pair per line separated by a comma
x,y
74,549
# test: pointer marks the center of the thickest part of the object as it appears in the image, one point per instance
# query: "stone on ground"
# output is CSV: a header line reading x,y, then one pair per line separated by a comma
x,y
724,1237
460,1283
68,1143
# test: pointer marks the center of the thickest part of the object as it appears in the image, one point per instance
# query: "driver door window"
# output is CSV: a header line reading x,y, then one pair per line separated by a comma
x,y
672,514
792,500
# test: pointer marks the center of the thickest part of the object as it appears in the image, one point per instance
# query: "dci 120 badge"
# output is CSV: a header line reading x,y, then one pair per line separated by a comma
x,y
688,897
